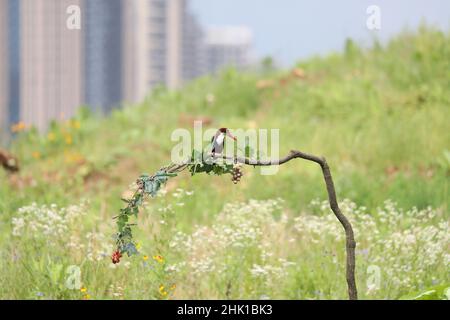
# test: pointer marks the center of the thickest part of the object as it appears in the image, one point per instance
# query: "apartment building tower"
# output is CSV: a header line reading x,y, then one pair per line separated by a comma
x,y
50,62
102,65
123,50
4,70
227,46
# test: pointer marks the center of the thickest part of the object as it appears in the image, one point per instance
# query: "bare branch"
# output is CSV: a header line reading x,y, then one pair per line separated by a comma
x,y
350,239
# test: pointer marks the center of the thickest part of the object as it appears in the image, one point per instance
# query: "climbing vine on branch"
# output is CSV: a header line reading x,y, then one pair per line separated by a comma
x,y
149,185
220,164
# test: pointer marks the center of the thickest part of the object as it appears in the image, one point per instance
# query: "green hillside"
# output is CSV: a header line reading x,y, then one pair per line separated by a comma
x,y
379,116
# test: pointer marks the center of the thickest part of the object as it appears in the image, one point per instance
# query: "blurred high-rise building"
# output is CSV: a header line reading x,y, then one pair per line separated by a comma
x,y
14,59
50,62
158,46
123,49
9,64
227,46
102,28
4,94
135,51
174,45
144,50
193,58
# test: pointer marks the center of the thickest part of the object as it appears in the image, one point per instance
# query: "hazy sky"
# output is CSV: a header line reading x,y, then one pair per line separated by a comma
x,y
293,29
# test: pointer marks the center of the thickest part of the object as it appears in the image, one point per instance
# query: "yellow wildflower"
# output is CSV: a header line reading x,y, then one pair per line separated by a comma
x,y
173,287
36,155
158,258
162,291
69,139
76,124
73,157
51,136
20,126
145,258
87,296
138,245
83,289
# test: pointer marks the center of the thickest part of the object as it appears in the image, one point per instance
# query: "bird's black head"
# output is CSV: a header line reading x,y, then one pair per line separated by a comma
x,y
227,132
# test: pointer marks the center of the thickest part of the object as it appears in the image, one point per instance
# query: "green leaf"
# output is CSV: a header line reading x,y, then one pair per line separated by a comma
x,y
55,270
122,221
197,156
129,249
249,152
440,292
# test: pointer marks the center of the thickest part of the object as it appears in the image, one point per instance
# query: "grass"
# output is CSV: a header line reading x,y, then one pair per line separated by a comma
x,y
378,115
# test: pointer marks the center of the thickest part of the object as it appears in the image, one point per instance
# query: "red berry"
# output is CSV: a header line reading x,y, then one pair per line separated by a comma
x,y
116,256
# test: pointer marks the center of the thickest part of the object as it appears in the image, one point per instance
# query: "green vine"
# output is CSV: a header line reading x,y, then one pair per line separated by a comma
x,y
149,185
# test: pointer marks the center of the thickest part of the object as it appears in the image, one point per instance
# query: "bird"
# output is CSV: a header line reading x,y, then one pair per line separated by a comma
x,y
218,141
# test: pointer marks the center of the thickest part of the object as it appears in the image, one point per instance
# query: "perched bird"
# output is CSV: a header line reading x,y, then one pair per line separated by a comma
x,y
218,141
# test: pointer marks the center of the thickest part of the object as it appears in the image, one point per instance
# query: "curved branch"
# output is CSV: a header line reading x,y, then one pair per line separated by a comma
x,y
350,239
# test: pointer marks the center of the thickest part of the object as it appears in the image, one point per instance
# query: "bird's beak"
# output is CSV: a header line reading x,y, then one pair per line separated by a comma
x,y
231,136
